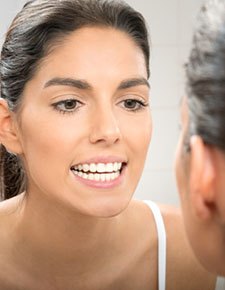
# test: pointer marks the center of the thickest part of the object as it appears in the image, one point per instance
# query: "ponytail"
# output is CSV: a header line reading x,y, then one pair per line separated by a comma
x,y
12,175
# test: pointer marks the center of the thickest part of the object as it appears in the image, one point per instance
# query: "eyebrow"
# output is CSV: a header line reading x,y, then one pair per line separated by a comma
x,y
84,85
70,82
133,82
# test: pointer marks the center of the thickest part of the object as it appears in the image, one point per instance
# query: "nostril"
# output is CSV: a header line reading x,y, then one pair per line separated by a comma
x,y
105,137
106,131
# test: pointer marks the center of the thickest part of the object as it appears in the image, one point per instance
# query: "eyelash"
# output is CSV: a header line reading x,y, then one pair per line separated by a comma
x,y
57,105
139,105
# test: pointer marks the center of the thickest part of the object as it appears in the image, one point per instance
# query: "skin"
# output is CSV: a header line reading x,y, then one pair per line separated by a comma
x,y
201,182
67,232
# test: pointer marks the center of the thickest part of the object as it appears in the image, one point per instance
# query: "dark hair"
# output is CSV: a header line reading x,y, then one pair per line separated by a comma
x,y
206,76
39,26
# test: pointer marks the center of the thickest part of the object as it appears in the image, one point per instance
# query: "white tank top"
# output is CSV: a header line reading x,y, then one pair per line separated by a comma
x,y
220,283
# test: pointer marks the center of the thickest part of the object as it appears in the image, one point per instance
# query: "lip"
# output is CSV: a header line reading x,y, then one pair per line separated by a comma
x,y
103,184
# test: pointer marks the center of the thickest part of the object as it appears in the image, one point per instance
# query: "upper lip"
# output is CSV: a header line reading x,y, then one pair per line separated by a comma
x,y
102,159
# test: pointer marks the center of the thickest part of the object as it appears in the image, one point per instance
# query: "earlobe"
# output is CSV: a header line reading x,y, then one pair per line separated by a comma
x,y
202,178
8,133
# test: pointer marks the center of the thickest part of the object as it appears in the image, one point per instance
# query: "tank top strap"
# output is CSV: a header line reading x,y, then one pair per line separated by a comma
x,y
161,244
220,283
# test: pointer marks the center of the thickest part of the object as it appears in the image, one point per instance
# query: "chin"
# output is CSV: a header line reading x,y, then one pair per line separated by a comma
x,y
109,207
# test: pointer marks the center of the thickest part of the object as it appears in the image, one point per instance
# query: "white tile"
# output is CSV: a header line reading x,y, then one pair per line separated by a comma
x,y
8,10
188,10
159,186
165,68
164,139
161,17
184,51
183,54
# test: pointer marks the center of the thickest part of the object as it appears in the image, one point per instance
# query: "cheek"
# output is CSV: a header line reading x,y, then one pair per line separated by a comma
x,y
182,179
48,144
139,132
181,182
177,165
182,167
48,152
137,136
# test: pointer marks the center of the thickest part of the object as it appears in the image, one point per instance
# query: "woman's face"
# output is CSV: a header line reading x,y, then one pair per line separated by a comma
x,y
85,123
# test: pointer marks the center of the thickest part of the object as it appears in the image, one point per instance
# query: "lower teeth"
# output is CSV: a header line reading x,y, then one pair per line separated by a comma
x,y
98,176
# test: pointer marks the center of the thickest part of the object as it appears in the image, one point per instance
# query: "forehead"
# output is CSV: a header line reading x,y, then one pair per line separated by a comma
x,y
92,48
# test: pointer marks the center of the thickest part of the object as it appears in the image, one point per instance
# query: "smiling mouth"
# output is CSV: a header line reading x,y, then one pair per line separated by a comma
x,y
101,172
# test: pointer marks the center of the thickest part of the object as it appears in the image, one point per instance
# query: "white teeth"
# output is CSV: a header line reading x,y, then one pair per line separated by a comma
x,y
85,167
107,177
102,172
109,167
99,167
84,175
115,166
102,177
93,167
91,176
96,176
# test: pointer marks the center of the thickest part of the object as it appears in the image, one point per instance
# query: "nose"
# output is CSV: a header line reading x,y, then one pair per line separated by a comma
x,y
105,128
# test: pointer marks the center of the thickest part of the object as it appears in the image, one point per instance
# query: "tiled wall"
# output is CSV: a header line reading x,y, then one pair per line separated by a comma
x,y
171,24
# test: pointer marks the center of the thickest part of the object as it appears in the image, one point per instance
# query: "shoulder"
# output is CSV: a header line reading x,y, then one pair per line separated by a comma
x,y
171,215
6,227
9,214
141,215
139,219
140,247
182,266
183,269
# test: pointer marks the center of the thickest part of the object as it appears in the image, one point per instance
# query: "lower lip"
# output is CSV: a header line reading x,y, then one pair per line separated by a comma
x,y
103,184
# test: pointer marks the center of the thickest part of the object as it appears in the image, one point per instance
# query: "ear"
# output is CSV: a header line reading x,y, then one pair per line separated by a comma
x,y
8,130
202,178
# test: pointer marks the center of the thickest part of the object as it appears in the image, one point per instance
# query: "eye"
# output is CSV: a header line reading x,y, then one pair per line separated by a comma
x,y
67,106
133,104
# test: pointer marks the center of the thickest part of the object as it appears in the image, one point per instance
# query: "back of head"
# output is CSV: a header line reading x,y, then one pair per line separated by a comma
x,y
35,31
206,76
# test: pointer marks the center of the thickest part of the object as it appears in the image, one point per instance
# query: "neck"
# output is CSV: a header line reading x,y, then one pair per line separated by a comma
x,y
47,232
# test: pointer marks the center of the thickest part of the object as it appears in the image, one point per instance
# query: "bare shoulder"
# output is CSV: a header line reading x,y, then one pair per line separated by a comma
x,y
9,212
141,244
183,269
5,228
139,218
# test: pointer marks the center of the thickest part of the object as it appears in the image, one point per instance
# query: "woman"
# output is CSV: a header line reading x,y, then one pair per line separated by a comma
x,y
201,153
75,127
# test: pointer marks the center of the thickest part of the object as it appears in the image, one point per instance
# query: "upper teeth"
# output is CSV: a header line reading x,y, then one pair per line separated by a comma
x,y
99,167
